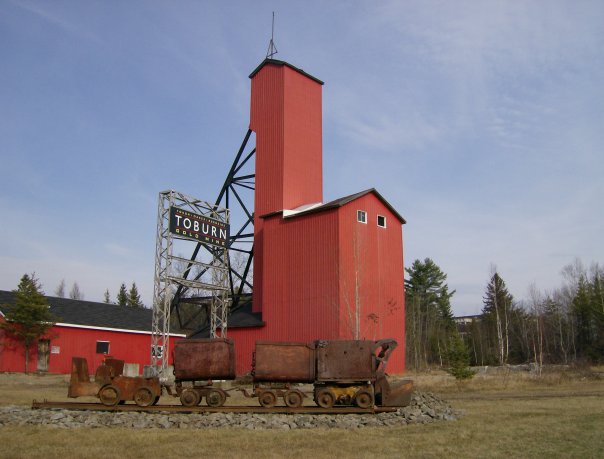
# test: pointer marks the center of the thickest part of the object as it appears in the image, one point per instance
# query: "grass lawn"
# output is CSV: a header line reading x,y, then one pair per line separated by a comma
x,y
548,419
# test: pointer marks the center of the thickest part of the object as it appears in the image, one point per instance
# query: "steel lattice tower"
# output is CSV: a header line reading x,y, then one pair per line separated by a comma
x,y
212,273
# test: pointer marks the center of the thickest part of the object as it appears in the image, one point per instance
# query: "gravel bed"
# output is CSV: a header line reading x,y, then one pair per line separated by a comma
x,y
424,408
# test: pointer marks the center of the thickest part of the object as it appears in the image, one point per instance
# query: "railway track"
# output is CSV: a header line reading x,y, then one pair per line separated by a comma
x,y
48,405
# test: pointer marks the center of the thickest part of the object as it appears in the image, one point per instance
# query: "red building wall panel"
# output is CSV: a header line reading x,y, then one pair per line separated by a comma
x,y
68,342
371,276
303,148
286,115
301,276
267,121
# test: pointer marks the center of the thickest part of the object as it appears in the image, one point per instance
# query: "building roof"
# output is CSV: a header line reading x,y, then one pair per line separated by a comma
x,y
242,317
89,314
339,203
283,63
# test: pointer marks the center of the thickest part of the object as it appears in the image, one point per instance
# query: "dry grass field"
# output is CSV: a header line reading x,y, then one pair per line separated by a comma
x,y
560,414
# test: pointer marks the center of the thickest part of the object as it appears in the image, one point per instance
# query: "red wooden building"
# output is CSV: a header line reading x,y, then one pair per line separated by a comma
x,y
321,271
83,329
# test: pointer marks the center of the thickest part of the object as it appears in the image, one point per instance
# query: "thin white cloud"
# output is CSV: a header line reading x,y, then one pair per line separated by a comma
x,y
56,19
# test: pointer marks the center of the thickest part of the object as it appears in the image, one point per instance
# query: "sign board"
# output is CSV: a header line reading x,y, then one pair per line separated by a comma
x,y
157,351
198,227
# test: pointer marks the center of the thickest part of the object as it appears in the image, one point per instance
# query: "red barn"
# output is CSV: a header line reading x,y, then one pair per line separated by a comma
x,y
321,271
83,329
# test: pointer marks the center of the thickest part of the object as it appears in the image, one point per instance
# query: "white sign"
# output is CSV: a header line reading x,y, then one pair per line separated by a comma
x,y
157,351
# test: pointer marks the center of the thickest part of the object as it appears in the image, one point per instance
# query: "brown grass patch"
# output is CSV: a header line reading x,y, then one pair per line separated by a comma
x,y
569,426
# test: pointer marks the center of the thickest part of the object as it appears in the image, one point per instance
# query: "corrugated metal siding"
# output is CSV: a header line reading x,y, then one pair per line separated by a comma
x,y
309,284
300,288
372,257
267,121
303,149
286,116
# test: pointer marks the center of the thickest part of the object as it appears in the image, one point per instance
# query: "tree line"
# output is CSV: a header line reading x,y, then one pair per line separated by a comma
x,y
124,296
563,326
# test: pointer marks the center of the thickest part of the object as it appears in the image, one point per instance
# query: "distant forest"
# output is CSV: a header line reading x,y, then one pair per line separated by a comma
x,y
563,326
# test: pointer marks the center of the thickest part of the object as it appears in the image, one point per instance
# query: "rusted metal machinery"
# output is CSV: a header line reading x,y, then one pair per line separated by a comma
x,y
199,361
109,384
342,373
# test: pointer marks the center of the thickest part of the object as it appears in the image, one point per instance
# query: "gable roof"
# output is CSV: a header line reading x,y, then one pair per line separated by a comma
x,y
342,202
90,314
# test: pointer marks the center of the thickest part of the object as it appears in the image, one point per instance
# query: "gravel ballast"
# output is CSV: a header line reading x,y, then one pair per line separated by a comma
x,y
424,408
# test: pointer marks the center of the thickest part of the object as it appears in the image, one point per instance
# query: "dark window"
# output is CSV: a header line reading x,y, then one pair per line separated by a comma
x,y
381,221
102,347
361,216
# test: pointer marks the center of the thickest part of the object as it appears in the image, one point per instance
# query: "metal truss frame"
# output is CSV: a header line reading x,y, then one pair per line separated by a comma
x,y
213,277
241,242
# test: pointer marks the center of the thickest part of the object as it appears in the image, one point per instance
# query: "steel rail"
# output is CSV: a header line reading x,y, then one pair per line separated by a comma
x,y
36,405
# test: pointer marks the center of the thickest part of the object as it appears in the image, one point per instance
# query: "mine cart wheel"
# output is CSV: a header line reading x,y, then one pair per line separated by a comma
x,y
144,396
325,398
293,398
190,397
267,399
215,398
363,399
110,395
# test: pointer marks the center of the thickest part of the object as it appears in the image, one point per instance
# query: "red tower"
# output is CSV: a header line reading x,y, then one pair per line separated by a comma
x,y
286,117
321,270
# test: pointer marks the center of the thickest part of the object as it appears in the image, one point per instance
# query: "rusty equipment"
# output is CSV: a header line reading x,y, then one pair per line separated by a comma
x,y
110,386
196,363
347,374
343,372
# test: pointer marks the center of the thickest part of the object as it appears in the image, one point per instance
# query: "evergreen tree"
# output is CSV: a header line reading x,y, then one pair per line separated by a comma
x,y
496,312
106,297
458,357
134,299
597,313
29,318
429,318
122,295
583,317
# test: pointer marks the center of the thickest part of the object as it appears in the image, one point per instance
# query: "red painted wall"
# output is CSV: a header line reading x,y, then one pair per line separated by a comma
x,y
286,116
300,290
316,265
371,276
79,342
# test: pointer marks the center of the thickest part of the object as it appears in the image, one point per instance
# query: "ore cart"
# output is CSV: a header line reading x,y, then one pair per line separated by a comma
x,y
276,369
199,361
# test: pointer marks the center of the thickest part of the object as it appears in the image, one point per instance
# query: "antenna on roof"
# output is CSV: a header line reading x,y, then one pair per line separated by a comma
x,y
272,49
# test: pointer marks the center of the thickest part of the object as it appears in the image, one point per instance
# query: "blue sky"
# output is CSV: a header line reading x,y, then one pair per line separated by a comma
x,y
482,122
